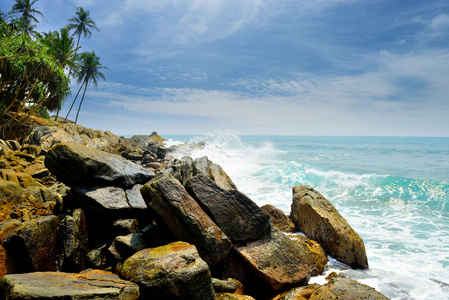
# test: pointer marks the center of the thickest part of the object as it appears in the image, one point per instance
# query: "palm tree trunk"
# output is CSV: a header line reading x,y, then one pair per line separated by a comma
x,y
57,114
65,120
82,99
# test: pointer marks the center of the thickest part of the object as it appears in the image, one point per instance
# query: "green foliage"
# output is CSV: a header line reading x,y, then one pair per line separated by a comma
x,y
35,68
28,73
41,110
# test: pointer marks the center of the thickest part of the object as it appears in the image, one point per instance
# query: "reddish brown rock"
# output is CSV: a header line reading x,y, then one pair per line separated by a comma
x,y
33,244
315,216
6,263
185,218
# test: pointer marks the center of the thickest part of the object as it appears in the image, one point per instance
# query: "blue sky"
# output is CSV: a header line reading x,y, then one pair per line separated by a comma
x,y
265,67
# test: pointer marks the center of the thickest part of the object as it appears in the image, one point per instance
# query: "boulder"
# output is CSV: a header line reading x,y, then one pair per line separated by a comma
x,y
48,136
78,165
237,215
74,243
112,199
173,271
315,216
93,284
229,285
33,244
125,226
6,263
277,260
20,203
299,293
124,246
185,218
315,251
185,168
347,289
279,219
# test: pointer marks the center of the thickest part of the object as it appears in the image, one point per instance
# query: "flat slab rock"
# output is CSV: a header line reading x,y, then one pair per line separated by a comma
x,y
94,284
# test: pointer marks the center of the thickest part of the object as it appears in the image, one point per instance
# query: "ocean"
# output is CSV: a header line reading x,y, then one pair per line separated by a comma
x,y
394,192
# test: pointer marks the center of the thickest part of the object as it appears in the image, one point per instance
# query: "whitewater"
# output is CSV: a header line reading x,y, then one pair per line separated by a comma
x,y
394,192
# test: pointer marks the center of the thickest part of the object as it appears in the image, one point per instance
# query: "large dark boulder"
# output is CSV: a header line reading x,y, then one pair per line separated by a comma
x,y
33,244
173,271
94,284
185,218
315,216
237,215
277,260
78,165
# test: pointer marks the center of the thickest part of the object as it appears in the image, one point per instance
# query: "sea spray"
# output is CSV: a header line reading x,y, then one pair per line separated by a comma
x,y
393,191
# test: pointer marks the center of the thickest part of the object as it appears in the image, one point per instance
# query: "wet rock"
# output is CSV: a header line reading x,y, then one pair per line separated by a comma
x,y
74,243
185,218
315,251
345,288
94,284
78,165
237,215
186,168
299,293
315,216
173,271
277,260
279,219
32,245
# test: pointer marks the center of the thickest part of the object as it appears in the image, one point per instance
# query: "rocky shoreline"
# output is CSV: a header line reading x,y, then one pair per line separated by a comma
x,y
86,214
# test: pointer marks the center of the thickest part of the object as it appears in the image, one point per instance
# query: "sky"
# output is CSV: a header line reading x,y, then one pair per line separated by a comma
x,y
264,67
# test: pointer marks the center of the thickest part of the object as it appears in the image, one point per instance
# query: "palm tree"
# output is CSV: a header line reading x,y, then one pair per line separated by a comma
x,y
88,72
24,8
62,48
82,24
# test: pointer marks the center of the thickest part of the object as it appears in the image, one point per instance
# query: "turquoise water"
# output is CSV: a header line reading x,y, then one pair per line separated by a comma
x,y
393,191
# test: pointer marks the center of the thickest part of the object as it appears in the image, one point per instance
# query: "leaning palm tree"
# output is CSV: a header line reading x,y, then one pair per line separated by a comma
x,y
88,72
82,24
27,12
